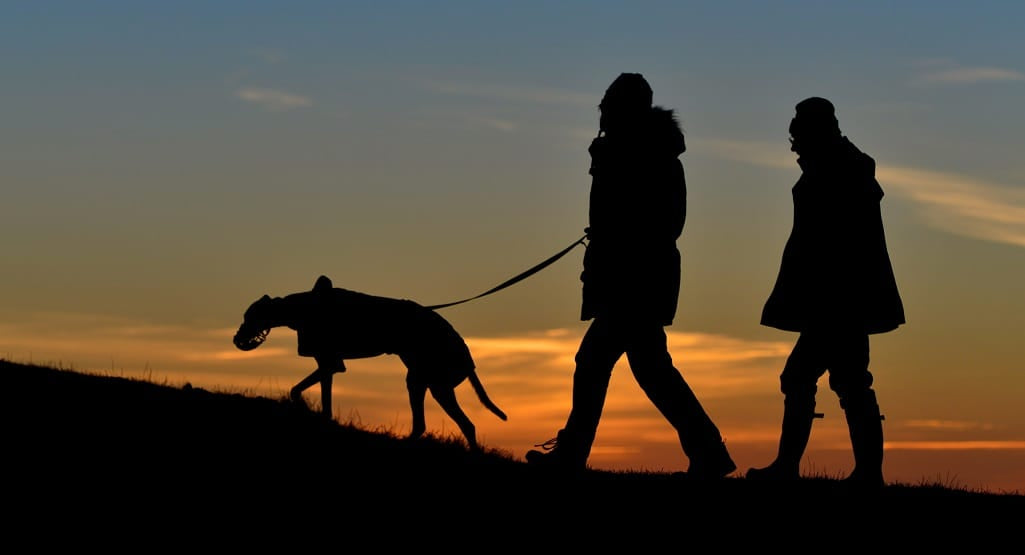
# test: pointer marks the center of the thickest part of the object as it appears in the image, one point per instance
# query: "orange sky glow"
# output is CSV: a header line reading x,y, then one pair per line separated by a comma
x,y
529,377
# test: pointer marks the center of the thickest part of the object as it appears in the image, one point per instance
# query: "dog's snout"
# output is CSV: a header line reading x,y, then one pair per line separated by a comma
x,y
248,338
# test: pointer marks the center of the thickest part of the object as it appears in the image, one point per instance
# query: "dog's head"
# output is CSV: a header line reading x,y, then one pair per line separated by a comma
x,y
265,314
256,325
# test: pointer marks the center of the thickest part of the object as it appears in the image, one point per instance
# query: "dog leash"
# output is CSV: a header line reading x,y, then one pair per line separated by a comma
x,y
519,277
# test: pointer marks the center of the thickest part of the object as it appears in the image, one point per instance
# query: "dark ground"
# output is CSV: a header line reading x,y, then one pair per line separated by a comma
x,y
147,461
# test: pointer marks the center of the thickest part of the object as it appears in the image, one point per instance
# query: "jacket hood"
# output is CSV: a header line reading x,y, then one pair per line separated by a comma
x,y
658,134
666,130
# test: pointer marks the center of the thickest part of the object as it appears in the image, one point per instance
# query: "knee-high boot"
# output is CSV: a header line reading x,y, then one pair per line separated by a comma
x,y
865,423
798,414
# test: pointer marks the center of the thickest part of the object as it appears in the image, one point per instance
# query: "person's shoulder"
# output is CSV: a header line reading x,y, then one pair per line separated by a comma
x,y
862,168
857,156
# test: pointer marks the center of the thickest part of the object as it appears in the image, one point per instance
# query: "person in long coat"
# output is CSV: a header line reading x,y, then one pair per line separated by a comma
x,y
631,280
835,287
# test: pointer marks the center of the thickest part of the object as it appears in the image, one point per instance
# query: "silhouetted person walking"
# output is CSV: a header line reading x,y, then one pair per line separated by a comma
x,y
835,287
631,280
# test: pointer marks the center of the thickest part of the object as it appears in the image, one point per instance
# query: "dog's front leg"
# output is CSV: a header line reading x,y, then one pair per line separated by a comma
x,y
326,368
326,379
296,394
417,394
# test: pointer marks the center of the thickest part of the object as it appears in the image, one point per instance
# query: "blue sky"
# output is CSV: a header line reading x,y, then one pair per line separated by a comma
x,y
164,164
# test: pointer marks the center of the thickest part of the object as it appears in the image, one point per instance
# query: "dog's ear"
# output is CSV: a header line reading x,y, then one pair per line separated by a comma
x,y
253,309
261,301
323,284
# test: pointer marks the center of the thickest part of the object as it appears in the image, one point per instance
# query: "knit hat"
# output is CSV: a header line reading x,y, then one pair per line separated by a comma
x,y
815,116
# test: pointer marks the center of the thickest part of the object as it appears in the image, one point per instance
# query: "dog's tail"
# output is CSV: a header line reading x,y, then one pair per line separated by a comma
x,y
483,395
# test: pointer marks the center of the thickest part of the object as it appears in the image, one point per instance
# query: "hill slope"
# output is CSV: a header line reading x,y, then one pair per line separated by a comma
x,y
84,442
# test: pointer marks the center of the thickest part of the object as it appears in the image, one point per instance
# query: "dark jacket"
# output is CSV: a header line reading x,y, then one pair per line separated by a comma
x,y
638,204
835,271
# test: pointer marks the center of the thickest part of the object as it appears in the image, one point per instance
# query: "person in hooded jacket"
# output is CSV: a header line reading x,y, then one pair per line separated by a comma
x,y
835,287
631,280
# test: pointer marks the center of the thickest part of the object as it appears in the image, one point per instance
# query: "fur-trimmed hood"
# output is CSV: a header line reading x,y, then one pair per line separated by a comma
x,y
666,127
659,135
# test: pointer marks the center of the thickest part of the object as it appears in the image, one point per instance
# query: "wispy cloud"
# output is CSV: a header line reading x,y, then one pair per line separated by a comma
x,y
511,93
273,100
718,365
955,445
947,425
959,204
770,155
501,97
95,341
698,349
962,204
971,75
496,123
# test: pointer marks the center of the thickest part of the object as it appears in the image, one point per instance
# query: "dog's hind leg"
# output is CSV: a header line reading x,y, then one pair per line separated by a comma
x,y
446,397
417,393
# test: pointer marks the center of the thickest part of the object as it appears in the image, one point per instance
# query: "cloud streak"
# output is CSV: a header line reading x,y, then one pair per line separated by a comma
x,y
960,204
972,75
506,93
273,100
758,153
947,425
955,445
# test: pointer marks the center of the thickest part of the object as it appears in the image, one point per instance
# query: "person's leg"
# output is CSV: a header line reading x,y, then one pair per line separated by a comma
x,y
798,383
850,378
662,382
597,355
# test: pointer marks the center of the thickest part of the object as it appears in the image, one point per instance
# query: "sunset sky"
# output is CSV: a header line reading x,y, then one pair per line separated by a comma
x,y
164,164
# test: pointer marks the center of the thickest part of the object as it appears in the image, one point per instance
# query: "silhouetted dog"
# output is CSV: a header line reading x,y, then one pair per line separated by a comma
x,y
333,324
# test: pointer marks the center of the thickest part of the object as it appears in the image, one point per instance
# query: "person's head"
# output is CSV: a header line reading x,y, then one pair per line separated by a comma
x,y
814,125
626,101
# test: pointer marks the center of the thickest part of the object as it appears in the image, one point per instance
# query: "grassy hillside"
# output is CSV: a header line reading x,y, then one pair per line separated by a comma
x,y
78,443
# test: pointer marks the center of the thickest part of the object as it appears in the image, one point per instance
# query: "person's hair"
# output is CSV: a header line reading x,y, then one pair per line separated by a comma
x,y
629,91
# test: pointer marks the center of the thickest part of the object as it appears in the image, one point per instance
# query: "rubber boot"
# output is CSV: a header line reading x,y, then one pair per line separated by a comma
x,y
798,414
865,423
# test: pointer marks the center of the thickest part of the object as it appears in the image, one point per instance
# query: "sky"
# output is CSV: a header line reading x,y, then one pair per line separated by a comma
x,y
165,164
